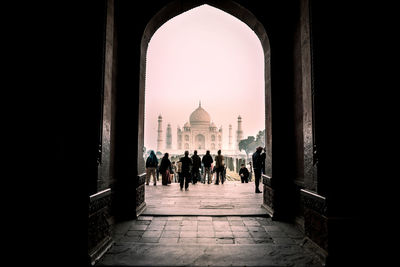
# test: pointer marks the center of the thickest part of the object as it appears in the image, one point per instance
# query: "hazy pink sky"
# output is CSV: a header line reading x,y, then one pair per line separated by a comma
x,y
210,56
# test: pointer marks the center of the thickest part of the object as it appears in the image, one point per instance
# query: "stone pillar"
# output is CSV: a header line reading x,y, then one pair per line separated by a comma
x,y
159,136
179,138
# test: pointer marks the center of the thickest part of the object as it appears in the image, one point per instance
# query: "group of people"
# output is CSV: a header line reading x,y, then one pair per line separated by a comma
x,y
187,169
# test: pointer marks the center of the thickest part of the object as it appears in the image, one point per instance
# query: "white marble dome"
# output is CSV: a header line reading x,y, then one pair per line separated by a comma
x,y
200,116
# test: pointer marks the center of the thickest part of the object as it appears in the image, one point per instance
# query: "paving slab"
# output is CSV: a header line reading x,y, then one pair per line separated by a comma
x,y
202,254
235,246
229,199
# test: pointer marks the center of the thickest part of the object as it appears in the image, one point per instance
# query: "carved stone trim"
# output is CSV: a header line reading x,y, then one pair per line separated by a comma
x,y
315,219
313,201
140,209
141,179
102,248
99,201
99,225
266,180
140,194
268,195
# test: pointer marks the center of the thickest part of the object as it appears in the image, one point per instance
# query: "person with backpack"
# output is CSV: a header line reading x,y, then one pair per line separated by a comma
x,y
151,166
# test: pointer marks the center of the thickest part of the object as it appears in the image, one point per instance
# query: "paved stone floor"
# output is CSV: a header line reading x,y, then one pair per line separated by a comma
x,y
209,225
207,241
230,198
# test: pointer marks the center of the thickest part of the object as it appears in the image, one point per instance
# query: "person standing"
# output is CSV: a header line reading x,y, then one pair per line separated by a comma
x,y
257,166
263,157
195,168
244,174
250,171
219,167
151,166
165,169
179,170
207,161
186,168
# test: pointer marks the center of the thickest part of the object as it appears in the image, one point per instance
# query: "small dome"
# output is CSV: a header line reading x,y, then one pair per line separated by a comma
x,y
187,125
213,125
200,116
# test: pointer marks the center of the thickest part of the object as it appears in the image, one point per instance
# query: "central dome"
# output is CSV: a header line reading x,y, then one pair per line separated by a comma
x,y
200,116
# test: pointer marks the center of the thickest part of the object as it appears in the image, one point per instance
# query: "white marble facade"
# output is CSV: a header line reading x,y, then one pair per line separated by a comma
x,y
199,133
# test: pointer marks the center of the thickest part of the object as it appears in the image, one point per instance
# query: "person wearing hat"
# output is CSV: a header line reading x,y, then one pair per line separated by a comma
x,y
257,166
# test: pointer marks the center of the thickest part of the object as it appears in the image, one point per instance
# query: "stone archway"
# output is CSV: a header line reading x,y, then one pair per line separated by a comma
x,y
168,12
200,141
289,65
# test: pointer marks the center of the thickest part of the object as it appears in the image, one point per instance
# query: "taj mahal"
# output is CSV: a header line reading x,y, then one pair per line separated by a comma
x,y
199,133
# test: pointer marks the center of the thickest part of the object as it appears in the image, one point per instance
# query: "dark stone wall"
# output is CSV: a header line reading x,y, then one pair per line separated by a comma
x,y
106,142
341,126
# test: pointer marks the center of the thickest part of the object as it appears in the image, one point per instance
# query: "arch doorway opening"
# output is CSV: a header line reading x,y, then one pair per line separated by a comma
x,y
206,78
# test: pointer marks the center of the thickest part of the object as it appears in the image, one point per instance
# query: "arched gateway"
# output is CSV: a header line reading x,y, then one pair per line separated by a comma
x,y
290,173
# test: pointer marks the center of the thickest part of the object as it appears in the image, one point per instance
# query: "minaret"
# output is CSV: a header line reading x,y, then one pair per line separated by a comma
x,y
169,137
179,137
159,136
230,137
239,132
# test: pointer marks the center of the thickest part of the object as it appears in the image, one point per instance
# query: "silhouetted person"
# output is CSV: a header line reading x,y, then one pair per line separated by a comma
x,y
219,167
179,170
196,161
186,168
174,171
263,157
158,170
207,161
151,167
251,171
165,169
257,166
244,174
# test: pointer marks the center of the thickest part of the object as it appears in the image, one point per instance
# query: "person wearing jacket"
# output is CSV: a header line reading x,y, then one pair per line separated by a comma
x,y
151,166
185,171
196,167
244,174
207,160
219,167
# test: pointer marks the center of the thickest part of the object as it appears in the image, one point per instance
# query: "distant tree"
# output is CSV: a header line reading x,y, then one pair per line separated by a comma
x,y
260,138
248,145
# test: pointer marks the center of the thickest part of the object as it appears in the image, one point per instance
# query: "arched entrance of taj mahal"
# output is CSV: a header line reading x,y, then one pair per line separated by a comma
x,y
294,190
